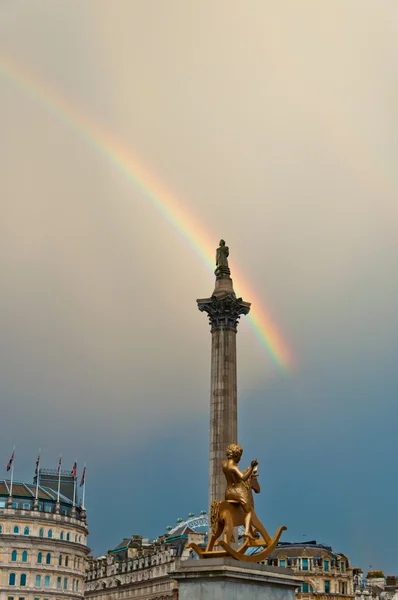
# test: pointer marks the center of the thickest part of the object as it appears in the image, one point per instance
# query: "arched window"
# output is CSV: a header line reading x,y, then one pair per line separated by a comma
x,y
40,558
66,561
76,537
24,556
14,556
74,563
77,585
22,579
47,581
41,532
65,583
1,528
38,581
60,560
16,529
26,530
67,537
11,579
61,537
48,559
59,582
50,533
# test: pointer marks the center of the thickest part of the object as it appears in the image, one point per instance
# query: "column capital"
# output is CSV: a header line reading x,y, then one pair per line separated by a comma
x,y
224,312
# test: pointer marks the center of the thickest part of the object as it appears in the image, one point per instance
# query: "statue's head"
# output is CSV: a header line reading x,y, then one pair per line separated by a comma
x,y
222,243
235,452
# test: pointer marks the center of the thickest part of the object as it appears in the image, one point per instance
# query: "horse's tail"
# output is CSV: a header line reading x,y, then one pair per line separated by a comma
x,y
215,515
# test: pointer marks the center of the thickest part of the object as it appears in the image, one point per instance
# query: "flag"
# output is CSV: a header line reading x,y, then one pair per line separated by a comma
x,y
74,469
10,462
83,477
59,466
37,465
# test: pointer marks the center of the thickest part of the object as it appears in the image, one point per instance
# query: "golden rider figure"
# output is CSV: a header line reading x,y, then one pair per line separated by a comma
x,y
239,484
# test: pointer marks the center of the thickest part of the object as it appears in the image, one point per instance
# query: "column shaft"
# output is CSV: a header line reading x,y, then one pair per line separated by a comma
x,y
223,406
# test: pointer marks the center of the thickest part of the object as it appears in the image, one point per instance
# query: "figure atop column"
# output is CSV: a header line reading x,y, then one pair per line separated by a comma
x,y
222,269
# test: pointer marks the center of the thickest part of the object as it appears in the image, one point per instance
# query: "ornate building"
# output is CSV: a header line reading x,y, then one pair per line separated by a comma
x,y
43,549
323,571
137,568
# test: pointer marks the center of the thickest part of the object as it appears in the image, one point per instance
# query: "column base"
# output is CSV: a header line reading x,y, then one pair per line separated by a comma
x,y
224,578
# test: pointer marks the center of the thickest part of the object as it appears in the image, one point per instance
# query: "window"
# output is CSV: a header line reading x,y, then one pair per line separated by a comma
x,y
73,585
65,583
48,508
60,560
36,598
26,506
26,531
14,556
38,581
48,559
61,537
305,588
1,528
66,561
47,581
77,585
342,588
41,532
50,533
22,580
68,537
326,566
12,598
76,537
40,558
59,582
16,529
342,567
304,564
282,563
74,563
14,505
24,556
11,579
311,589
327,587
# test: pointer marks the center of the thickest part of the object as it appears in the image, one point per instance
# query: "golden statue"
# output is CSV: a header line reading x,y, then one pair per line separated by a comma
x,y
238,510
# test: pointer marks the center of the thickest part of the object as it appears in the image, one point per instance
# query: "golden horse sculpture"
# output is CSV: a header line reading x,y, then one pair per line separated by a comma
x,y
238,510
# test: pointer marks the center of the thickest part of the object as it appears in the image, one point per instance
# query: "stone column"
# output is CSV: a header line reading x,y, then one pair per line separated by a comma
x,y
224,310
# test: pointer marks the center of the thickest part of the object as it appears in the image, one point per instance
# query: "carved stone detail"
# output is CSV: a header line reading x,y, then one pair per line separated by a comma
x,y
224,313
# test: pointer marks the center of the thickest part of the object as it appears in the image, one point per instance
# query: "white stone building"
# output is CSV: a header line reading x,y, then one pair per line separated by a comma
x,y
43,549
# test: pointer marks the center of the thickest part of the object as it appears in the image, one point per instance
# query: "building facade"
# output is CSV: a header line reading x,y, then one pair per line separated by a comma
x,y
323,571
43,549
139,569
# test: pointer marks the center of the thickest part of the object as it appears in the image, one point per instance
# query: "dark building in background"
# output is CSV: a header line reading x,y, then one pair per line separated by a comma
x,y
49,479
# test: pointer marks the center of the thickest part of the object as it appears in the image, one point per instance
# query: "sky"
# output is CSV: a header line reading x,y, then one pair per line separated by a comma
x,y
269,124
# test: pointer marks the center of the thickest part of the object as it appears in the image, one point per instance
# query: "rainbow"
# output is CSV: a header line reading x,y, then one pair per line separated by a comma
x,y
123,159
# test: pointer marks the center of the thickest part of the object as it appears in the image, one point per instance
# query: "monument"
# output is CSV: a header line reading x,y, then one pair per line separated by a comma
x,y
223,309
226,572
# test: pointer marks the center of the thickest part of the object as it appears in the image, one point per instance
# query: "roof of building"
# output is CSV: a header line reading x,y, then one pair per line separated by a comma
x,y
28,490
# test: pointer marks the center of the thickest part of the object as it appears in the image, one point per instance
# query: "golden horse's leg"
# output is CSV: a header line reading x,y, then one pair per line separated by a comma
x,y
214,536
260,528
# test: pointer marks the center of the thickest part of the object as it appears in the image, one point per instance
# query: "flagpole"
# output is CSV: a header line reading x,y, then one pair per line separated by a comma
x,y
84,487
12,473
59,476
38,476
74,486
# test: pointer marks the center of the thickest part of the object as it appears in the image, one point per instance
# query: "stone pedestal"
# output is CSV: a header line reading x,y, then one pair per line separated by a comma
x,y
224,310
227,579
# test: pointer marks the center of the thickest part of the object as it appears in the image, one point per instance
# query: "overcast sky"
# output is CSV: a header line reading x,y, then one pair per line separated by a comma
x,y
274,125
